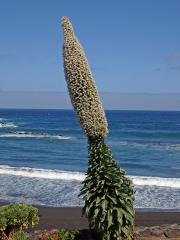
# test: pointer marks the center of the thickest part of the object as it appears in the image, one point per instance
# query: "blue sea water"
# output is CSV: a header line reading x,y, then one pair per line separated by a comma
x,y
43,156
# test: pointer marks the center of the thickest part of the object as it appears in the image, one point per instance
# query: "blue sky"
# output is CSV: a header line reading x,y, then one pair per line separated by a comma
x,y
132,46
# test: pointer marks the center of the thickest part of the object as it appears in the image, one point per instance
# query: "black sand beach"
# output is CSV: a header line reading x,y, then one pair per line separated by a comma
x,y
68,217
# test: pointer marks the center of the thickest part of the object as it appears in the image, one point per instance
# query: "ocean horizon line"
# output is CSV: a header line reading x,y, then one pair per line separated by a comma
x,y
71,109
110,100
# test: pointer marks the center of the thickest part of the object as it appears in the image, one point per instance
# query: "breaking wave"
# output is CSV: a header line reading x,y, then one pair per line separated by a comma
x,y
156,145
80,176
156,181
41,173
32,135
8,125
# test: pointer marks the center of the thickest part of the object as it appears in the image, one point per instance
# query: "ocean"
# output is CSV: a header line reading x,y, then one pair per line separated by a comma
x,y
43,156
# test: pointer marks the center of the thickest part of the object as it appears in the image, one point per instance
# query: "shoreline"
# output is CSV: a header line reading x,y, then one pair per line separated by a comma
x,y
137,210
70,217
148,225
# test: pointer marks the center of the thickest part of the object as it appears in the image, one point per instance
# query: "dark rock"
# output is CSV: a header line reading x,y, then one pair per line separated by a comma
x,y
144,232
87,234
157,232
172,233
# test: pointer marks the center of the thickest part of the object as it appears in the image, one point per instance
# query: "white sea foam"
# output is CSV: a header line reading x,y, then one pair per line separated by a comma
x,y
8,125
41,173
32,135
154,145
156,181
79,176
